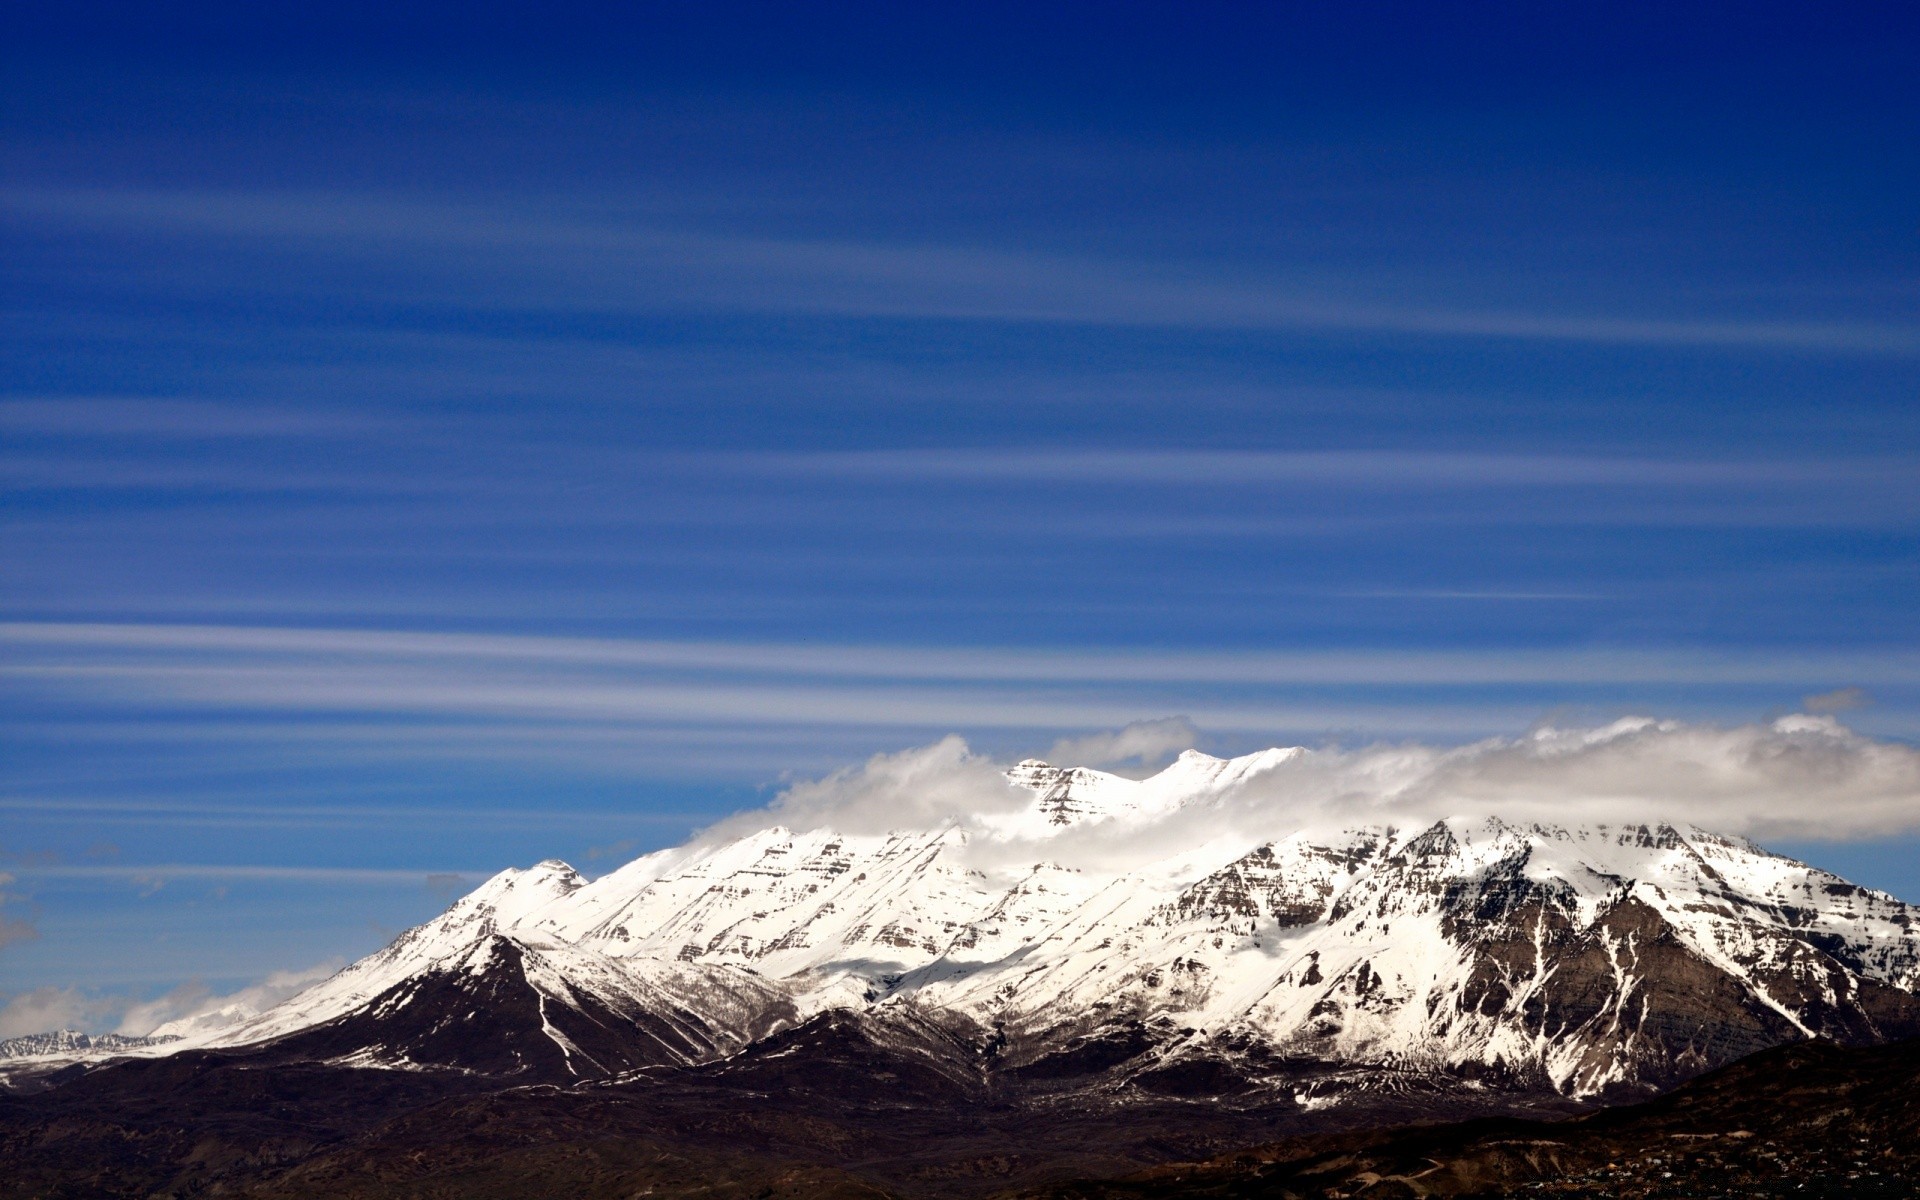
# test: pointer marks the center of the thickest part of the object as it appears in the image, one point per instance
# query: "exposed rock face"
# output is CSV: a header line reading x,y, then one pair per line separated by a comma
x,y
1464,955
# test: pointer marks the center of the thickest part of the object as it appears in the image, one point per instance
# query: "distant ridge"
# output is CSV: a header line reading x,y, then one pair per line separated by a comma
x,y
72,1041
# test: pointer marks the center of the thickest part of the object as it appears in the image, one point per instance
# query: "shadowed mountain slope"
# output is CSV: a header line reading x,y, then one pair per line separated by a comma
x,y
1812,1119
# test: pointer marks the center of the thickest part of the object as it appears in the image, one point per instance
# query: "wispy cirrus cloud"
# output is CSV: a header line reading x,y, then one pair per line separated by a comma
x,y
73,472
742,711
1891,663
640,263
1057,492
1399,469
186,810
175,418
159,874
820,704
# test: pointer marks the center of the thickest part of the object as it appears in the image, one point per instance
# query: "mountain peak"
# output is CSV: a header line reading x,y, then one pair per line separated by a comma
x,y
1074,795
516,893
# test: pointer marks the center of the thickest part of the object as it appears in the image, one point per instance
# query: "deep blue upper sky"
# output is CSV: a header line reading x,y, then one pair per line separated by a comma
x,y
827,381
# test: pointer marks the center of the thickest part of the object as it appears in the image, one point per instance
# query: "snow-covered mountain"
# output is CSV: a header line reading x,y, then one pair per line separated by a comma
x,y
1460,953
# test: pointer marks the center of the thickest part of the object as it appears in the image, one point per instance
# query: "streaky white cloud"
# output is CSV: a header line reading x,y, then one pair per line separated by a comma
x,y
1326,492
640,263
189,810
1391,470
751,710
159,875
119,471
174,418
253,645
372,689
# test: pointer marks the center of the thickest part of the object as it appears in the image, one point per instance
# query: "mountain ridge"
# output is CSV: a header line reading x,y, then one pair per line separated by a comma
x,y
1463,955
1458,955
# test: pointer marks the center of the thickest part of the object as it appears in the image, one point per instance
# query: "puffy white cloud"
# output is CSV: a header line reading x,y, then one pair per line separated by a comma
x,y
188,1009
13,929
1148,743
1838,700
46,1009
191,1009
911,789
1802,776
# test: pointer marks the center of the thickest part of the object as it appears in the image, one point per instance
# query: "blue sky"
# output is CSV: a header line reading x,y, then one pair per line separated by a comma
x,y
438,439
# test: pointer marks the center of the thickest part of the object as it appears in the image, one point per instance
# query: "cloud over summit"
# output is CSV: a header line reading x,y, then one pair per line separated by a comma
x,y
1801,776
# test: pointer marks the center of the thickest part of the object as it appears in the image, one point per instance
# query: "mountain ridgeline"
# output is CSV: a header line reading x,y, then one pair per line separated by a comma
x,y
1463,959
